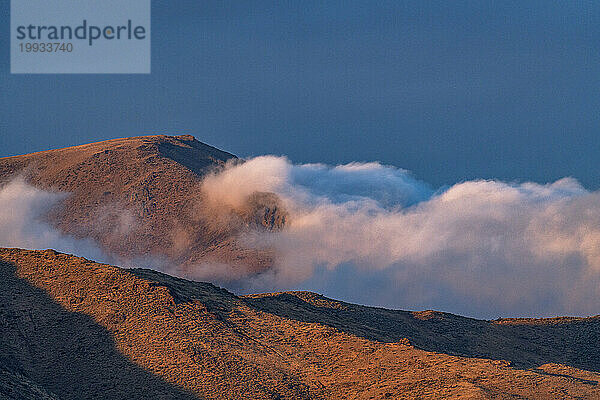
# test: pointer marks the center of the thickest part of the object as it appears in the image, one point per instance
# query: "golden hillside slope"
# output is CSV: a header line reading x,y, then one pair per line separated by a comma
x,y
79,329
140,197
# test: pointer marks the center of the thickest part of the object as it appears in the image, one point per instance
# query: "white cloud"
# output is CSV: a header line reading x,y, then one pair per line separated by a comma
x,y
482,248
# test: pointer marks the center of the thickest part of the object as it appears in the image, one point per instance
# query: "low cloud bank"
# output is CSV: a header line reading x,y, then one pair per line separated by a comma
x,y
373,234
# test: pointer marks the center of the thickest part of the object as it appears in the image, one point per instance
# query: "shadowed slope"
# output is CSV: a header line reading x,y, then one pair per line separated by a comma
x,y
110,327
292,345
14,386
64,351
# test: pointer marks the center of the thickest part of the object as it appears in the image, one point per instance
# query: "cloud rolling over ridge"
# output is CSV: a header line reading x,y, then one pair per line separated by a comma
x,y
373,234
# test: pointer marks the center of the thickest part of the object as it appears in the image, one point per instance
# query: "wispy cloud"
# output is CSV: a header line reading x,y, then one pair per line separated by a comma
x,y
23,209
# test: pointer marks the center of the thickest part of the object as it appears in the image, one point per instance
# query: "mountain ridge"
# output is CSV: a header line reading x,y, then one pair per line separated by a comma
x,y
141,198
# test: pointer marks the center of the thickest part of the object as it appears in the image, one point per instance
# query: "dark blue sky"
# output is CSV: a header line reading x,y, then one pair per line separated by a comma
x,y
449,90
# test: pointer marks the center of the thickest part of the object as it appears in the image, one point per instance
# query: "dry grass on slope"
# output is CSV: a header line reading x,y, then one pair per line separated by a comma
x,y
85,330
